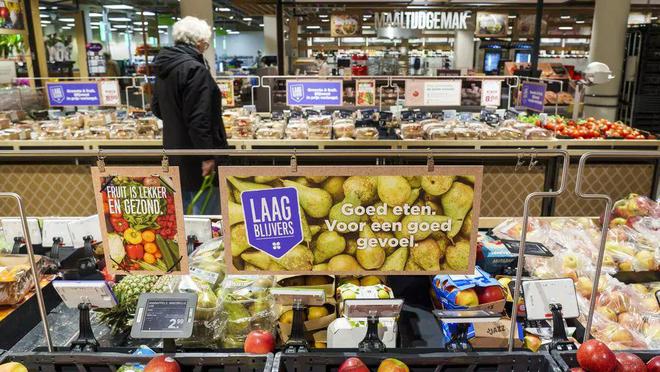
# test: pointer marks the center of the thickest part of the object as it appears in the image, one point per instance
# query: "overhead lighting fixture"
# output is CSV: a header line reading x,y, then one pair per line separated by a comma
x,y
261,25
162,26
162,31
67,20
141,24
44,22
95,15
654,18
367,16
366,27
565,28
231,17
513,16
565,17
94,27
65,28
323,16
42,8
118,7
247,19
119,19
325,20
71,24
147,13
120,26
222,10
313,27
95,23
579,22
44,15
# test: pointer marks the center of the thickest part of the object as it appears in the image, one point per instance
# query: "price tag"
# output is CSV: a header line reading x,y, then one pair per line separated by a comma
x,y
164,315
204,275
13,228
491,92
94,292
84,227
199,227
57,228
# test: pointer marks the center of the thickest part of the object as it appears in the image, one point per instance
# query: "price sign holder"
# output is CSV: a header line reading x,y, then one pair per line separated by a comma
x,y
463,319
165,316
556,299
299,299
372,309
85,295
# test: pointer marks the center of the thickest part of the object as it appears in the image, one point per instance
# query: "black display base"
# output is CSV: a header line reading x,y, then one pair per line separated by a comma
x,y
21,321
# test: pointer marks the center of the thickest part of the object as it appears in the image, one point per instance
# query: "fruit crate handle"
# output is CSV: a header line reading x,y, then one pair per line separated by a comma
x,y
33,265
606,216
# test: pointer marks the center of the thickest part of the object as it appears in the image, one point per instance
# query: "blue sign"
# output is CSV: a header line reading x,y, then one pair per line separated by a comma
x,y
272,219
73,94
533,96
314,93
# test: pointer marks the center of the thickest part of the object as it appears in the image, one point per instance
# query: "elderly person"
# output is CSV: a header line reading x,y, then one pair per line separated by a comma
x,y
187,99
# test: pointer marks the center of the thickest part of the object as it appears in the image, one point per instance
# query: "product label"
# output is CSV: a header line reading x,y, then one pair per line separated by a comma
x,y
491,92
314,93
533,96
73,94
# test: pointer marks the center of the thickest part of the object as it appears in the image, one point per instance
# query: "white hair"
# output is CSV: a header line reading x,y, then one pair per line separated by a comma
x,y
191,30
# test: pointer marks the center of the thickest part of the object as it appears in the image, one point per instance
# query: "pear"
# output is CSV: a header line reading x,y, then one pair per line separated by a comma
x,y
299,258
466,228
250,267
351,247
414,195
274,266
386,235
417,219
314,229
361,187
241,185
435,207
335,186
393,190
367,232
307,232
437,185
458,255
237,195
302,180
265,179
371,258
316,179
316,202
427,254
257,258
396,261
230,195
456,203
238,238
414,181
328,245
235,213
337,215
320,267
344,263
467,179
388,217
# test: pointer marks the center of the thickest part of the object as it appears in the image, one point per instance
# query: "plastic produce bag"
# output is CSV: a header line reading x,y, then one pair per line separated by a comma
x,y
245,305
207,263
206,313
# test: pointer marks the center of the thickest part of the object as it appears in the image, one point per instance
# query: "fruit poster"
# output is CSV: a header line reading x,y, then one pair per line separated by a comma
x,y
351,219
365,93
142,219
12,16
227,92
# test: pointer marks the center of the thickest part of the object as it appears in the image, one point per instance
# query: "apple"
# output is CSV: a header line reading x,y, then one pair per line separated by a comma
x,y
653,365
577,369
353,364
594,355
467,298
584,287
570,273
629,362
13,367
162,363
622,335
649,304
259,342
645,260
490,294
392,365
570,261
619,221
607,313
640,288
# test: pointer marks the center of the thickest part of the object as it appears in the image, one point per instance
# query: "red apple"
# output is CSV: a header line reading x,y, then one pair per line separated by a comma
x,y
490,294
578,369
162,363
392,365
594,355
259,342
653,365
629,362
353,365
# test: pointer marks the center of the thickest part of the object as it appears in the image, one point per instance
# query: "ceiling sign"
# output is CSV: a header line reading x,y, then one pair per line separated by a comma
x,y
422,20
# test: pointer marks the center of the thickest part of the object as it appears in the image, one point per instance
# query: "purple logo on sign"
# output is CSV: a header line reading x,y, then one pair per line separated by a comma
x,y
73,94
272,219
533,96
314,93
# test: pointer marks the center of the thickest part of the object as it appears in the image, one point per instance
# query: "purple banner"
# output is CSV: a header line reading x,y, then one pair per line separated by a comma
x,y
272,219
314,93
533,96
73,94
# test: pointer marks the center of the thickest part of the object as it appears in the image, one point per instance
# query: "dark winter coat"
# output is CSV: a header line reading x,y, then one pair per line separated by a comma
x,y
187,99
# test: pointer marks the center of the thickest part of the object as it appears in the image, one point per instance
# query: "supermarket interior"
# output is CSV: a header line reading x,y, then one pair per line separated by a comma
x,y
317,186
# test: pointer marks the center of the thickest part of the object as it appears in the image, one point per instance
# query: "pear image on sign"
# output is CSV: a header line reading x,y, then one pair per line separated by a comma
x,y
351,224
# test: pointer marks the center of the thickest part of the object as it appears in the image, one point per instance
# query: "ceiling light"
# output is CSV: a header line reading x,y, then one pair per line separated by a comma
x,y
53,7
138,23
565,17
513,16
565,28
71,24
67,20
162,26
44,15
654,18
162,31
97,15
325,20
222,10
247,19
579,22
94,27
147,13
366,16
323,16
313,27
118,7
233,32
45,22
366,27
120,26
119,19
65,28
231,17
42,8
95,23
261,25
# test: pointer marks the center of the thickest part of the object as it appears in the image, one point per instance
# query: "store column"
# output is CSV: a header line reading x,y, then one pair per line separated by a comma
x,y
464,49
607,46
270,36
202,9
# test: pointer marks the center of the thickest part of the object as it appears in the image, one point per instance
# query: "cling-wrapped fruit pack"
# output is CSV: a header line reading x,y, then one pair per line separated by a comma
x,y
245,305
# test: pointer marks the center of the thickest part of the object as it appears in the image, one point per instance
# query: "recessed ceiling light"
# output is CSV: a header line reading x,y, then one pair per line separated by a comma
x,y
222,10
325,20
247,19
566,28
65,28
162,26
323,16
67,20
42,8
366,27
71,24
261,25
565,17
45,22
95,15
147,13
140,23
231,17
120,26
95,23
94,27
513,16
313,27
366,16
118,7
579,22
654,18
44,15
119,19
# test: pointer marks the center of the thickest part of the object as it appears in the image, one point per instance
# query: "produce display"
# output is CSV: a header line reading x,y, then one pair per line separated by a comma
x,y
343,220
590,128
595,356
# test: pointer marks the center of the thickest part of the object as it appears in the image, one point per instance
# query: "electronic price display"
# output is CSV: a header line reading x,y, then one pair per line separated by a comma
x,y
164,315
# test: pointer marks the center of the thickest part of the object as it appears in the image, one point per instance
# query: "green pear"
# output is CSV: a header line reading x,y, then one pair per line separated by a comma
x,y
274,266
396,261
386,235
230,194
320,267
409,220
414,195
371,258
344,263
237,195
238,239
250,267
466,228
363,188
414,181
307,232
300,258
393,190
411,265
257,258
302,180
437,185
351,247
427,254
456,203
458,255
316,179
337,215
367,232
388,217
328,245
335,186
265,179
314,229
241,185
316,202
235,213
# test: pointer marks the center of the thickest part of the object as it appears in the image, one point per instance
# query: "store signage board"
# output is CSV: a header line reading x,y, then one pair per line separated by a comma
x,y
491,91
423,20
365,93
83,93
342,25
350,219
533,96
164,315
13,228
433,93
314,92
227,92
142,219
110,93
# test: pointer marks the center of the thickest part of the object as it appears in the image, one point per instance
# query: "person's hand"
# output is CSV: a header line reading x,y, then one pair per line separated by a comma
x,y
207,167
